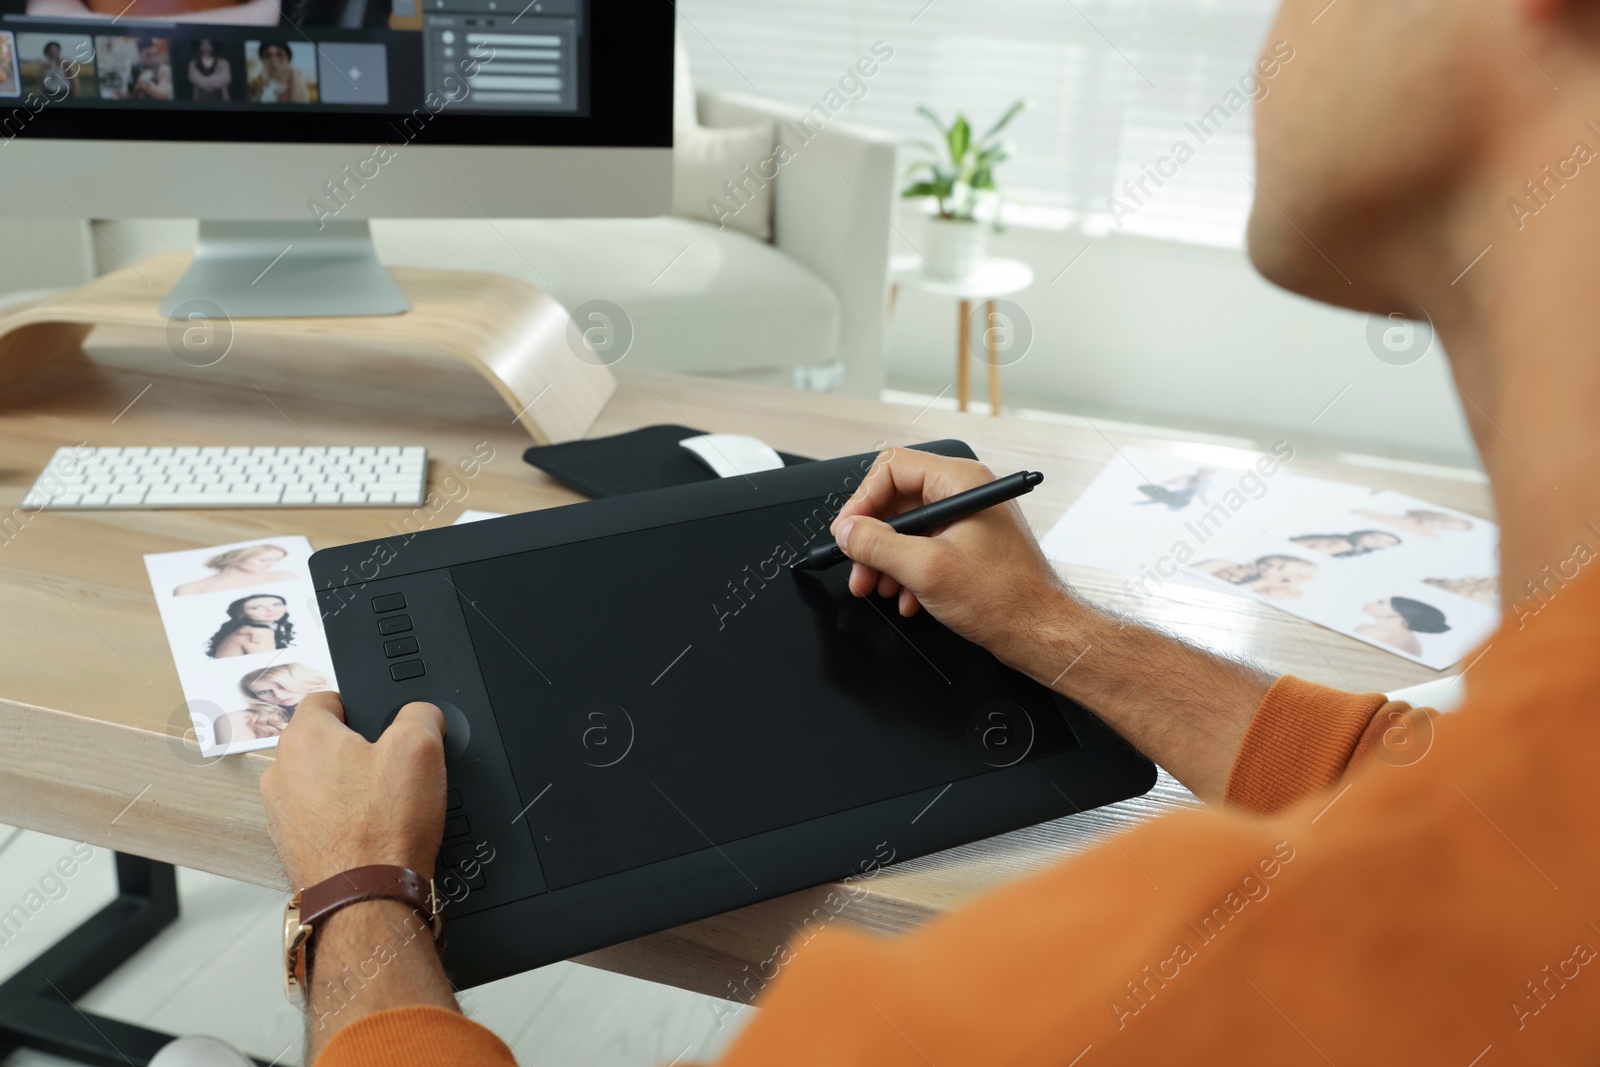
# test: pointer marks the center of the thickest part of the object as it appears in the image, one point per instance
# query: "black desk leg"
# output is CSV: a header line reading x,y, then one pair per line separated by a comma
x,y
37,1008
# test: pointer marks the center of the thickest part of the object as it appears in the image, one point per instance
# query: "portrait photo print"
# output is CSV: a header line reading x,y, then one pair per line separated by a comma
x,y
246,637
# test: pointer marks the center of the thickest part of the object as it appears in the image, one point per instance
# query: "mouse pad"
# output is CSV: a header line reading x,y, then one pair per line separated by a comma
x,y
751,697
649,458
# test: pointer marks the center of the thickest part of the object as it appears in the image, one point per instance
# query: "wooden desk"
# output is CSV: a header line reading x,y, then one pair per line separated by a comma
x,y
90,707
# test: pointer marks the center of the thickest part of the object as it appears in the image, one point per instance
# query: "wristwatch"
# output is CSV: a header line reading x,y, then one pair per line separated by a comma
x,y
309,908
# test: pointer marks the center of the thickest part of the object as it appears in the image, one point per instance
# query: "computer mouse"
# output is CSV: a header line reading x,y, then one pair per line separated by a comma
x,y
728,455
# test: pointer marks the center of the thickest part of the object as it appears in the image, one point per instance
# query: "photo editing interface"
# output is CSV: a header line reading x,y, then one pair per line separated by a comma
x,y
520,56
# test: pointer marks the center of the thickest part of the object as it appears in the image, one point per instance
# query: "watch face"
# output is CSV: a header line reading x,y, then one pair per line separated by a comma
x,y
295,936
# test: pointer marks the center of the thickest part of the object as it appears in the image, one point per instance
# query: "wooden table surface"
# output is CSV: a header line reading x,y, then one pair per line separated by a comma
x,y
92,716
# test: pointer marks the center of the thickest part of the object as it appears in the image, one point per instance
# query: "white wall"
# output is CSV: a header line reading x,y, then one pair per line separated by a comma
x,y
1148,331
1188,336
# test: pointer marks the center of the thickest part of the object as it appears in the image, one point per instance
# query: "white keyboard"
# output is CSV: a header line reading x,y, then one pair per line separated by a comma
x,y
216,477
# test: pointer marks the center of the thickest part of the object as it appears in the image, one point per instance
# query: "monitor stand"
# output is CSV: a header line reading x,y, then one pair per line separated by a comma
x,y
516,335
275,270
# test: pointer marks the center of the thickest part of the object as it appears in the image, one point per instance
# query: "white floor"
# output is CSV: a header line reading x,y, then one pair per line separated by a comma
x,y
215,972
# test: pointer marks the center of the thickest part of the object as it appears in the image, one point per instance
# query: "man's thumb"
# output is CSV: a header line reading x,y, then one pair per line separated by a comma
x,y
876,544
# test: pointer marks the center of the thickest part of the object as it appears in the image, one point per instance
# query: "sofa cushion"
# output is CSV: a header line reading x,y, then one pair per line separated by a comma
x,y
699,299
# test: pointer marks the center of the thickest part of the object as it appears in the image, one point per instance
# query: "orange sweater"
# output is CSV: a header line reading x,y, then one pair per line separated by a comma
x,y
1440,905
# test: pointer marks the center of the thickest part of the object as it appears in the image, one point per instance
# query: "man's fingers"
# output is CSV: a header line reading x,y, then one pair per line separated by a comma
x,y
317,707
900,556
917,477
419,716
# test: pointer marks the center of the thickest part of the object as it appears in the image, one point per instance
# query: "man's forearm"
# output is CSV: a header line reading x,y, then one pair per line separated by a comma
x,y
370,957
1186,708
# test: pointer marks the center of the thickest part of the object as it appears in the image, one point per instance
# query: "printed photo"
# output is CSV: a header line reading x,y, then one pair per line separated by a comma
x,y
282,72
1276,577
1424,522
211,71
1482,589
1177,493
56,65
270,696
255,623
10,80
213,12
134,68
246,636
237,568
1347,545
1396,622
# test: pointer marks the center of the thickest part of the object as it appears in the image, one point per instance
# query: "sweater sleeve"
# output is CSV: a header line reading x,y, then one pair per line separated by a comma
x,y
418,1036
1306,737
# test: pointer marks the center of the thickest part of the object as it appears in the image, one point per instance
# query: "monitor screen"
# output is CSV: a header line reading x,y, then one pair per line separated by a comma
x,y
333,70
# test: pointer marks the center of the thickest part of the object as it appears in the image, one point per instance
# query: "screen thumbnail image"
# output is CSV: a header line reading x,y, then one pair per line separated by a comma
x,y
343,14
210,71
282,72
134,68
56,65
10,84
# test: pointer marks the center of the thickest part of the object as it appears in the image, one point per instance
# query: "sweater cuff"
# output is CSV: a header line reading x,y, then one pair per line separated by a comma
x,y
1300,742
415,1036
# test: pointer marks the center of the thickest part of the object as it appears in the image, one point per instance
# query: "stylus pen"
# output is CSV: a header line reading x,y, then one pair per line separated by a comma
x,y
930,517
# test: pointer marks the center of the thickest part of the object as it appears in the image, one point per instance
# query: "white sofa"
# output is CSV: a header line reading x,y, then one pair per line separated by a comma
x,y
807,308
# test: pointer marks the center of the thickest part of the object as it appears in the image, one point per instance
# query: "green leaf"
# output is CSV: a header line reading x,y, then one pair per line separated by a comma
x,y
1012,112
917,190
994,154
960,138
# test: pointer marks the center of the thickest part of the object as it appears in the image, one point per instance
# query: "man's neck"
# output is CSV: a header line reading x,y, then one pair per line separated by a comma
x,y
1525,350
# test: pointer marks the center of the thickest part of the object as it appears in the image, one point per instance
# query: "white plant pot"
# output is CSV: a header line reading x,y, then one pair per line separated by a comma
x,y
954,247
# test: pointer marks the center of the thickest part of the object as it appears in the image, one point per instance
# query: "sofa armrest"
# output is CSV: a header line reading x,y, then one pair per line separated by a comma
x,y
832,203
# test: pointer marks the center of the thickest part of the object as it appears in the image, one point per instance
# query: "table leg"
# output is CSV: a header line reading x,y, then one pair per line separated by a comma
x,y
36,1004
964,356
994,359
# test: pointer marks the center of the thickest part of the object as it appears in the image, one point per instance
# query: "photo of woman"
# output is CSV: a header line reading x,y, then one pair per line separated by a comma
x,y
272,694
210,74
237,568
1276,577
1397,620
1420,521
257,623
277,77
1345,546
1484,590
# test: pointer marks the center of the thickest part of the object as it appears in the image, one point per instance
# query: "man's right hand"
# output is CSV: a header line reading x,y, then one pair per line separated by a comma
x,y
984,576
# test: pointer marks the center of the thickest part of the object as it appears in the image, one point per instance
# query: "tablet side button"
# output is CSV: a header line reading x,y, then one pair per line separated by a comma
x,y
411,668
400,646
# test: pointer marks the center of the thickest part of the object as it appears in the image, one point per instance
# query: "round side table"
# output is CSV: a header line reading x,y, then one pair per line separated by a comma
x,y
992,279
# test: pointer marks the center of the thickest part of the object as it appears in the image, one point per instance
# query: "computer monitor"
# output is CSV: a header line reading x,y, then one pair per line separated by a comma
x,y
283,125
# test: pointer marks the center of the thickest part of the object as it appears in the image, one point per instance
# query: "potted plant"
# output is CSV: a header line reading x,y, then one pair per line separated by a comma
x,y
959,176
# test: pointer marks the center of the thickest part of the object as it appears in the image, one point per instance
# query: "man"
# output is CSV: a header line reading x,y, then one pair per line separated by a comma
x,y
1374,884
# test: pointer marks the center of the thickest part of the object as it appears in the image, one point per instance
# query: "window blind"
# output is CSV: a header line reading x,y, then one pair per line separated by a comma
x,y
1116,86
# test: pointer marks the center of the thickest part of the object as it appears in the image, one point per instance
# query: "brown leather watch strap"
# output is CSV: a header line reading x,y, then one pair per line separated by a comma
x,y
378,882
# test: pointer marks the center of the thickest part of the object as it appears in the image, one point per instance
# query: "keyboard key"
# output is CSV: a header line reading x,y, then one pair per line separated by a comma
x,y
411,668
388,602
394,624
